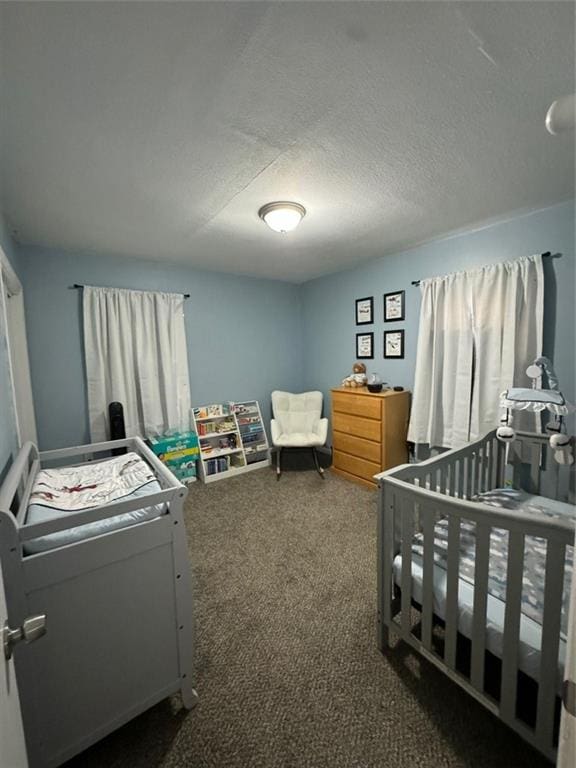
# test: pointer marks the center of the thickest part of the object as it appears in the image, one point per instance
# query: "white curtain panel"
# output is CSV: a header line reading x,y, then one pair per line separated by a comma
x,y
136,354
479,331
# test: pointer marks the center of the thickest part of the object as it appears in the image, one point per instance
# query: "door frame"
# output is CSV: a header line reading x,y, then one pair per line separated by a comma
x,y
23,403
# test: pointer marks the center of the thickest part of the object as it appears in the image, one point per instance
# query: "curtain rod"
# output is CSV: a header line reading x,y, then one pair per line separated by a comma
x,y
544,256
186,295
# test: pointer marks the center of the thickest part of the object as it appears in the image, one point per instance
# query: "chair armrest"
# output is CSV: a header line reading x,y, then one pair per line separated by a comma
x,y
322,430
275,431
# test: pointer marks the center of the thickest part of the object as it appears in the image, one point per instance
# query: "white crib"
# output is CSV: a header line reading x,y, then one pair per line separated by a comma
x,y
118,608
486,645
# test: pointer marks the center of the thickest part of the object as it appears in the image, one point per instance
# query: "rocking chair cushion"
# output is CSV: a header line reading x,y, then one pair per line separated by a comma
x,y
297,422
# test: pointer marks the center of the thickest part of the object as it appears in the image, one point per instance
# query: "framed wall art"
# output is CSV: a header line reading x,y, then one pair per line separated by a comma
x,y
364,346
394,345
394,306
365,311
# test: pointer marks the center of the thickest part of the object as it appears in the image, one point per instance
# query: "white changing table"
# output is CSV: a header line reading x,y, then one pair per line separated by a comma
x,y
118,609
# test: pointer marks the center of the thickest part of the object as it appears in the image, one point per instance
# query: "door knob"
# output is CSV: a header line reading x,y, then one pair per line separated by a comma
x,y
569,696
32,628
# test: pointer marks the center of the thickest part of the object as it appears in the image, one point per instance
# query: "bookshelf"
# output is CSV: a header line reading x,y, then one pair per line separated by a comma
x,y
232,439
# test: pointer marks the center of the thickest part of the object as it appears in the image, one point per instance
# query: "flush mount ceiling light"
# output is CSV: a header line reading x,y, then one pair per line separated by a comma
x,y
282,217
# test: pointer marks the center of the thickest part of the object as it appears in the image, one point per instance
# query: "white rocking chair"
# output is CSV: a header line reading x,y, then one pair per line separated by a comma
x,y
298,423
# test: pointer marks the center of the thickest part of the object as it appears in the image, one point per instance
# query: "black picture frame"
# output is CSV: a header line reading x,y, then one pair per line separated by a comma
x,y
400,335
370,300
359,356
402,315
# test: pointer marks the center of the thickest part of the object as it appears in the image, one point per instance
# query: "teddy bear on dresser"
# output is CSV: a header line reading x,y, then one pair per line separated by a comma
x,y
357,377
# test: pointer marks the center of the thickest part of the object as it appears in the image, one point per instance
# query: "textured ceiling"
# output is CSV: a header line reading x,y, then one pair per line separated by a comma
x,y
158,129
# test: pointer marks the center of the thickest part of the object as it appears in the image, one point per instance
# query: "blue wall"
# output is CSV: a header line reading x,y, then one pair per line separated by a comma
x,y
247,337
328,302
8,434
244,335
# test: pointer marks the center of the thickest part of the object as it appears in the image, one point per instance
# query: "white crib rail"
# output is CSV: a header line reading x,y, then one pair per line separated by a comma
x,y
412,498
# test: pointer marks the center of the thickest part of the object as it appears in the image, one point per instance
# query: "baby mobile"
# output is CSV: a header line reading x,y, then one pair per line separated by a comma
x,y
536,401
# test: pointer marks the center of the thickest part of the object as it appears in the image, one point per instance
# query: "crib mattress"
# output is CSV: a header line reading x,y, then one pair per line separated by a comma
x,y
530,631
67,490
532,598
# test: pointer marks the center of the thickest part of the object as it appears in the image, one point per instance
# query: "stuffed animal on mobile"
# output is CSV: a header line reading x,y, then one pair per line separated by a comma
x,y
506,432
561,444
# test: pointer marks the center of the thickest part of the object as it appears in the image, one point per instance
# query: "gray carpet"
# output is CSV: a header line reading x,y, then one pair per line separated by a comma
x,y
288,671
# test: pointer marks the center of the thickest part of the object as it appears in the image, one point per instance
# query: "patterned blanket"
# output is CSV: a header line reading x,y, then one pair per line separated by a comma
x,y
534,552
71,489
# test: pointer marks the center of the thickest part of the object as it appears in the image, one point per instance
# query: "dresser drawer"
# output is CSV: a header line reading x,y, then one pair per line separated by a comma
x,y
358,405
355,425
354,465
357,446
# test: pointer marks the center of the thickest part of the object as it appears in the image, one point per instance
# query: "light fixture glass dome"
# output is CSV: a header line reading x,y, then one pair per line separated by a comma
x,y
282,217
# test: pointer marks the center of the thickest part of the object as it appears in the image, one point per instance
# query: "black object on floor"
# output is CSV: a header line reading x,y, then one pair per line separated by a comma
x,y
117,427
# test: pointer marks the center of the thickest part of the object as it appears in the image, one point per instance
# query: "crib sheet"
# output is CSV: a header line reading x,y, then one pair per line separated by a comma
x,y
67,490
533,576
530,631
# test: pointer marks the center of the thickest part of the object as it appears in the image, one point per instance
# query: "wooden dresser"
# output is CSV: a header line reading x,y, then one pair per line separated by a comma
x,y
368,432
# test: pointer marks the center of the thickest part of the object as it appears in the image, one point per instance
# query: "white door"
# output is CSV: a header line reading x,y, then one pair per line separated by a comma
x,y
12,745
567,743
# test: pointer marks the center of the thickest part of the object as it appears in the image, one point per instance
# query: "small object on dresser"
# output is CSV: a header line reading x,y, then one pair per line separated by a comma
x,y
374,383
398,389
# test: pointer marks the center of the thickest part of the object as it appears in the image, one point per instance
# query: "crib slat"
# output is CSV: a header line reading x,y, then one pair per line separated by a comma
x,y
491,465
500,464
427,577
516,461
500,469
476,479
386,545
453,477
451,618
476,470
484,476
390,542
535,457
551,619
511,626
407,534
442,479
469,465
481,561
553,469
461,477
